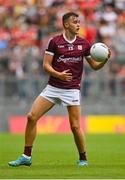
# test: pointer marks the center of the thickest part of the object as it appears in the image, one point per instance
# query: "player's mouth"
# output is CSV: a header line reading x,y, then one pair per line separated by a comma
x,y
77,29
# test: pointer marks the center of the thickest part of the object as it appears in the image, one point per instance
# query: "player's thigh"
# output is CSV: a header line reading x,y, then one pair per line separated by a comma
x,y
74,114
40,106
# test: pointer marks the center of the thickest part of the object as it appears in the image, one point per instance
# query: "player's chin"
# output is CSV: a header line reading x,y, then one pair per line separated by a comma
x,y
76,32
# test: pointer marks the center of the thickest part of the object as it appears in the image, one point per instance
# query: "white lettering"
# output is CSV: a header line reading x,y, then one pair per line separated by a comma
x,y
70,59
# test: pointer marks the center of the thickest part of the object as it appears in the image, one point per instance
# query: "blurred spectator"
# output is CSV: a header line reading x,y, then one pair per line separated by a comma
x,y
119,39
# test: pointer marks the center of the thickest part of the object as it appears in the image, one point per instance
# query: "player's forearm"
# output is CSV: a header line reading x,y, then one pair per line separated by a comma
x,y
100,65
49,69
96,65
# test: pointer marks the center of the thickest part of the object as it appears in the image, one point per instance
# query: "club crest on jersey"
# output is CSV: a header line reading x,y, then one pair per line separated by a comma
x,y
79,47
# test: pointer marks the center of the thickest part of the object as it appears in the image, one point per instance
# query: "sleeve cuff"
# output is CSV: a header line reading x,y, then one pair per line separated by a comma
x,y
50,53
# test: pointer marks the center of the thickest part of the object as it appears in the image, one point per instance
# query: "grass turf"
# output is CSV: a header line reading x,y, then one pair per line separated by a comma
x,y
55,156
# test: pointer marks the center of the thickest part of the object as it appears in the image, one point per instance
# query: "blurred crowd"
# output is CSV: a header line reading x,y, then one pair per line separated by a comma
x,y
27,25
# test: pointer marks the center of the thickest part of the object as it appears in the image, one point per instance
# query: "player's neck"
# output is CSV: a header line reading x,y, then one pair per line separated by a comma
x,y
69,37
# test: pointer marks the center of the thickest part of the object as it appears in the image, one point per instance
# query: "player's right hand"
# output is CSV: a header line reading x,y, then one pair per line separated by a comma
x,y
65,75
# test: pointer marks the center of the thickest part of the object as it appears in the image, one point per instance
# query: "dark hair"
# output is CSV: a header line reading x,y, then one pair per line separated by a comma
x,y
67,16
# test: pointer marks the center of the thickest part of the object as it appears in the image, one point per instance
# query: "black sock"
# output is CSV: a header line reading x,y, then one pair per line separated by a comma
x,y
28,150
82,156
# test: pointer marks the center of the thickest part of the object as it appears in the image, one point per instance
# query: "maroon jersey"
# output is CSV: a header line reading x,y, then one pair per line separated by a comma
x,y
68,55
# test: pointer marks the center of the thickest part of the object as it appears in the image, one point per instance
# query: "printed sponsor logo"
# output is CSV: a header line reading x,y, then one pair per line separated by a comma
x,y
70,59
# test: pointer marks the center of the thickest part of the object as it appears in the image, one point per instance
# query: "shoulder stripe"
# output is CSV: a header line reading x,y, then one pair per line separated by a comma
x,y
48,52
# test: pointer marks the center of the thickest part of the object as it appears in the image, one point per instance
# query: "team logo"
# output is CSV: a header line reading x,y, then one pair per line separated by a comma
x,y
79,47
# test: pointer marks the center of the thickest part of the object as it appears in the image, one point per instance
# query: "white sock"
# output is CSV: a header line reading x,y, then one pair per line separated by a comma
x,y
24,155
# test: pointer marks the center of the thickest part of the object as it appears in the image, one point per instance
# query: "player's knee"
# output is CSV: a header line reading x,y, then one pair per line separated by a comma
x,y
31,118
75,127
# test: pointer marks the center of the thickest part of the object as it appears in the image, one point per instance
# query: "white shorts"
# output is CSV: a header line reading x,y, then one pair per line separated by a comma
x,y
66,97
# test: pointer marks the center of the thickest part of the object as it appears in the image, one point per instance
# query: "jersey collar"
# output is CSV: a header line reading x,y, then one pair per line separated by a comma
x,y
64,36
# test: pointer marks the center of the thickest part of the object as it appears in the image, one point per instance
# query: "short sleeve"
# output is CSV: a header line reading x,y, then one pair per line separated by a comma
x,y
87,51
51,47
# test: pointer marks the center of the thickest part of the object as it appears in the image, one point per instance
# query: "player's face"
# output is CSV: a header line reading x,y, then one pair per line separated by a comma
x,y
73,25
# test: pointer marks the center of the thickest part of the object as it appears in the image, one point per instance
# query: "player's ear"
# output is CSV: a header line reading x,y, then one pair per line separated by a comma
x,y
66,25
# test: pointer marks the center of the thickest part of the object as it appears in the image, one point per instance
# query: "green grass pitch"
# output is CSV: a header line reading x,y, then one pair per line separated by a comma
x,y
55,156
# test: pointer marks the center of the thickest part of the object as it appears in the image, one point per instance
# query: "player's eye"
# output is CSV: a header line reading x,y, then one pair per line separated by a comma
x,y
74,22
77,22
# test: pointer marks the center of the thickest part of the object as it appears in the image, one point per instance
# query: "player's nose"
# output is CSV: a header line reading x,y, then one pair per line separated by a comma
x,y
78,25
